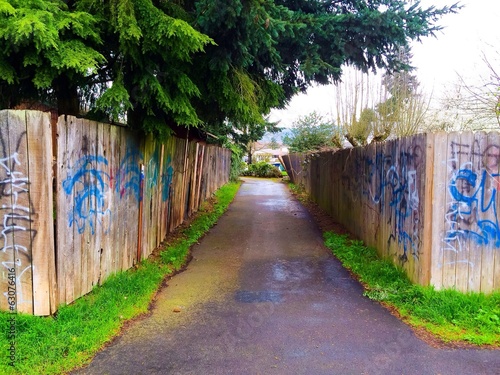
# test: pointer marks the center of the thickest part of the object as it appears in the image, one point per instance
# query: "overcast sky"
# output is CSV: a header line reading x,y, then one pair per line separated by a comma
x,y
458,49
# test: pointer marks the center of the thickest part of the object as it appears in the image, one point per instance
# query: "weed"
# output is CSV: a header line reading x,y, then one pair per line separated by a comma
x,y
299,192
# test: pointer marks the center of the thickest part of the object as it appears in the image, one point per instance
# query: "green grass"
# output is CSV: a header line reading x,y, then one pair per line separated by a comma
x,y
52,345
450,315
298,191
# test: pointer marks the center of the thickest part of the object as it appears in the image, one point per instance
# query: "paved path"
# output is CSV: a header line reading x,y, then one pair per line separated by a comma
x,y
263,296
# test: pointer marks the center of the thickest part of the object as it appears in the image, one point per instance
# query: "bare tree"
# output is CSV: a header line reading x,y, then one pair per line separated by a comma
x,y
356,97
477,105
373,108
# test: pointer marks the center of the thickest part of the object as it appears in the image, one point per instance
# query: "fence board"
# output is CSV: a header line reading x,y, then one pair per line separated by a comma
x,y
491,261
453,239
102,266
387,218
419,162
440,211
460,257
408,206
118,181
62,209
21,210
81,218
13,255
488,161
427,182
201,153
40,169
87,163
470,260
7,253
160,212
125,218
148,183
129,202
67,154
194,170
168,174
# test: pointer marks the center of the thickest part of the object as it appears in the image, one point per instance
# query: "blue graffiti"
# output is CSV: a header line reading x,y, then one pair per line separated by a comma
x,y
128,176
89,185
152,170
166,178
473,212
394,185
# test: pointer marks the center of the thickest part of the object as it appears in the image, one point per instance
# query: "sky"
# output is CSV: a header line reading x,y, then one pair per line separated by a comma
x,y
457,50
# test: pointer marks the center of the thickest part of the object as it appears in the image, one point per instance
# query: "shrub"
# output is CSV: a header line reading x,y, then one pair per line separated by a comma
x,y
262,169
237,166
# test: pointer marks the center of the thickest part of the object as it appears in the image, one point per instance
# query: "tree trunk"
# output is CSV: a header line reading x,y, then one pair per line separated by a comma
x,y
351,140
68,101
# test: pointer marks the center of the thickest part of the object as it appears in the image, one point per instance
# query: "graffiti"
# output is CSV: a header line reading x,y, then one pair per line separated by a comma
x,y
166,178
16,233
353,182
89,185
392,183
128,176
472,210
152,170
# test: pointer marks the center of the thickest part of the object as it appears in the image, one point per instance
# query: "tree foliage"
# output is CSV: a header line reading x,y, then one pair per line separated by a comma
x,y
44,45
312,133
205,63
121,58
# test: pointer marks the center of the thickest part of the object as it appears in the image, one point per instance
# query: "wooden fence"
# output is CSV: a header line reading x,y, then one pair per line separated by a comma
x,y
110,196
428,202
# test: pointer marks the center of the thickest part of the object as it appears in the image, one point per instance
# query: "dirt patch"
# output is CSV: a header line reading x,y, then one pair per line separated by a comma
x,y
327,224
172,237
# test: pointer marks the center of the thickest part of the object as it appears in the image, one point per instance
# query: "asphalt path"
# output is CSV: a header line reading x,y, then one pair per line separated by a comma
x,y
264,296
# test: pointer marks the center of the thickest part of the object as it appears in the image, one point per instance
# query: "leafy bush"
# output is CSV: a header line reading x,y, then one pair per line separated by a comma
x,y
237,165
262,169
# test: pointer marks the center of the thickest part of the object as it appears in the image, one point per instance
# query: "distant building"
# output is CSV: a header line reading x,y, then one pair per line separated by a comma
x,y
263,153
270,155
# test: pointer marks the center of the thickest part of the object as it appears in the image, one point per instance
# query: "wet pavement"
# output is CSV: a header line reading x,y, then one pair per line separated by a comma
x,y
264,296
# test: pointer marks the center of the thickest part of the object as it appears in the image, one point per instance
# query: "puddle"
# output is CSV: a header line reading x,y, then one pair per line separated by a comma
x,y
246,296
283,205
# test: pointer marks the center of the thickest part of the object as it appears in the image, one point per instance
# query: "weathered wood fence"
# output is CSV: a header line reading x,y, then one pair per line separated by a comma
x,y
85,200
428,202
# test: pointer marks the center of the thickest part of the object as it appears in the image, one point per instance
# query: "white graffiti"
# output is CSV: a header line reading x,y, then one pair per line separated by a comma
x,y
16,218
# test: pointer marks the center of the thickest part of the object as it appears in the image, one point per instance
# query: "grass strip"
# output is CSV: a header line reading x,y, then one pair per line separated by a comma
x,y
450,315
53,345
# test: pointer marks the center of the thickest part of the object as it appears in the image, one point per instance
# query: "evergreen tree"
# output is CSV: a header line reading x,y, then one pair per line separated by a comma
x,y
159,64
312,133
